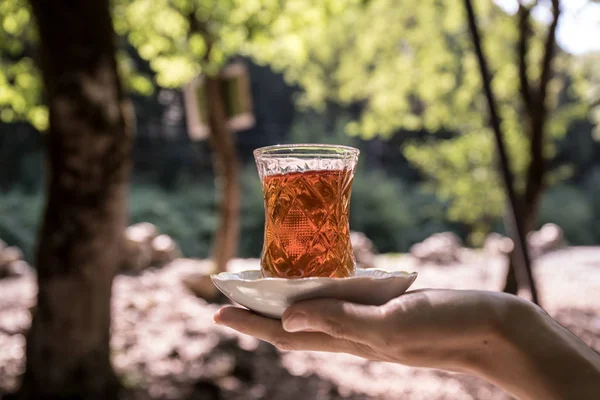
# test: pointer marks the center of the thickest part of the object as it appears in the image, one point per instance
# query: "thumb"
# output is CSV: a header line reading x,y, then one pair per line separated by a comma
x,y
336,318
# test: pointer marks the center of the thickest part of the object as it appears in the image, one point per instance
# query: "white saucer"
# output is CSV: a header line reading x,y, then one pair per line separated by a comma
x,y
271,296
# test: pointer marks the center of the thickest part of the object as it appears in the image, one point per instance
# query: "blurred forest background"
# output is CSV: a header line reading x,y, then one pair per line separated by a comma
x,y
398,79
320,74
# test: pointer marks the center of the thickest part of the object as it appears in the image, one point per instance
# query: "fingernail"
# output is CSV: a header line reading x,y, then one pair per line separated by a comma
x,y
217,317
295,323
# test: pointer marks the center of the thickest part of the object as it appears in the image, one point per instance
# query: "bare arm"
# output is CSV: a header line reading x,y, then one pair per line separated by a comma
x,y
498,337
536,358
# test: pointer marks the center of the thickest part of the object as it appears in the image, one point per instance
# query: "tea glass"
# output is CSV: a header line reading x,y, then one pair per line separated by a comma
x,y
307,190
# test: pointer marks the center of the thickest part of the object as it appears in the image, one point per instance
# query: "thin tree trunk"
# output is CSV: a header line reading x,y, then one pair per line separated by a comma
x,y
534,104
226,171
515,223
530,212
79,245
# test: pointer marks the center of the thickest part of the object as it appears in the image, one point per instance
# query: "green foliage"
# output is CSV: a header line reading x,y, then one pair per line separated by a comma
x,y
411,64
589,64
182,38
591,185
253,215
315,128
186,214
388,212
20,81
460,174
391,213
570,208
394,215
179,39
408,63
21,90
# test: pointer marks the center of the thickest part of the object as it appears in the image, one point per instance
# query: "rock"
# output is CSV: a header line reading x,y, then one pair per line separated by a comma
x,y
9,255
440,248
14,322
364,250
164,250
136,255
550,237
497,244
143,230
11,262
18,268
145,247
137,246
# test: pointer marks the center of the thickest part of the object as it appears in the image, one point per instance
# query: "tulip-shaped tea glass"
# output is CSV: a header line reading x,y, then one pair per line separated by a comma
x,y
306,190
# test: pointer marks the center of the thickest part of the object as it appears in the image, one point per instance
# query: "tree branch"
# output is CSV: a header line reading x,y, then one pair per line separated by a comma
x,y
537,117
524,32
523,273
549,51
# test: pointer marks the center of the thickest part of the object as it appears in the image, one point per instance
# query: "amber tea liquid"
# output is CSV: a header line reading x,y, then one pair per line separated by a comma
x,y
307,232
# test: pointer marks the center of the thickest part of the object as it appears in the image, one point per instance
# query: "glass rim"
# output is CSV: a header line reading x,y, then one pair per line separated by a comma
x,y
307,150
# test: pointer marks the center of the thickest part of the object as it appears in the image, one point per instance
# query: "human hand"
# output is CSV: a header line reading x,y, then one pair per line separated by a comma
x,y
496,336
433,328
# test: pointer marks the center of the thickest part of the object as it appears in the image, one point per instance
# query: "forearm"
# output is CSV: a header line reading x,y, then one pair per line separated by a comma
x,y
533,357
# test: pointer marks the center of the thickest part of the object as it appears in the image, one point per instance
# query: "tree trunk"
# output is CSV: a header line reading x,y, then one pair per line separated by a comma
x,y
226,166
515,224
534,102
530,212
79,245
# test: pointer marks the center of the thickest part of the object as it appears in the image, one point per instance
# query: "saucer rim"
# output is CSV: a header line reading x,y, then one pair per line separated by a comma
x,y
236,276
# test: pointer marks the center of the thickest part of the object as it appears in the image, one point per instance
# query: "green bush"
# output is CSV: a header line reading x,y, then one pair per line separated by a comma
x,y
19,218
253,215
392,214
591,186
186,214
381,210
569,207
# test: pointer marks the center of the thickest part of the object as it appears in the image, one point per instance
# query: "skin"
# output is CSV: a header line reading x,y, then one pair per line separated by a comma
x,y
496,336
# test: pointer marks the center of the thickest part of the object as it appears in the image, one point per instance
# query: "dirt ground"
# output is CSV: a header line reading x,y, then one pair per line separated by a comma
x,y
166,346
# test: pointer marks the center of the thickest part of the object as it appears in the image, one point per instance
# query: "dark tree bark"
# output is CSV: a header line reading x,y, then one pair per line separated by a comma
x,y
535,115
226,165
523,273
511,284
79,245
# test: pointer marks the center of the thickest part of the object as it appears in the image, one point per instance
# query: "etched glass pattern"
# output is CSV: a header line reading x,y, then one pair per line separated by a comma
x,y
307,199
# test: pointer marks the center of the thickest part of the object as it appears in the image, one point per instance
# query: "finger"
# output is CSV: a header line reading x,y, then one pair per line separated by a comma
x,y
340,319
271,331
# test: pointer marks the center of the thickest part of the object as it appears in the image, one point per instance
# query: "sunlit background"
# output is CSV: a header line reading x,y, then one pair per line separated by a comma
x,y
398,80
324,80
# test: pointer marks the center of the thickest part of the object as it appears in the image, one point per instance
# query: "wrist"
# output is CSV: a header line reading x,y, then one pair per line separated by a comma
x,y
495,334
534,357
501,355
